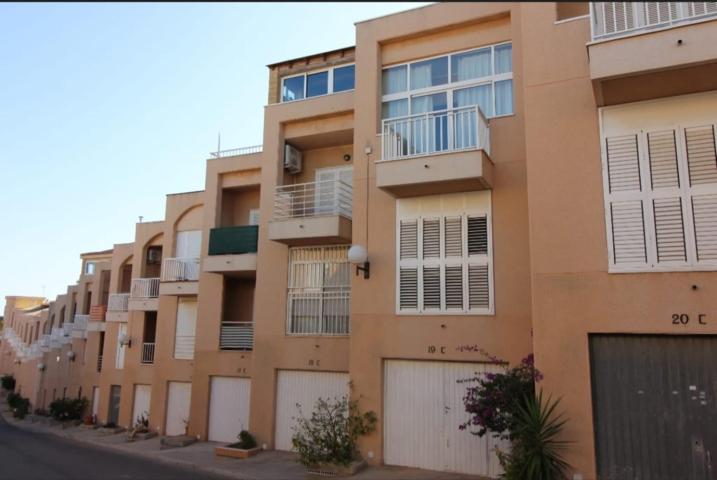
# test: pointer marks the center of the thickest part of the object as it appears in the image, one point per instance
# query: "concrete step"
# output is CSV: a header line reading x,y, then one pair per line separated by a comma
x,y
176,441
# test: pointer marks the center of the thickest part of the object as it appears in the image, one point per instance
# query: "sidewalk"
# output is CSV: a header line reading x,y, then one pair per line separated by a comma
x,y
200,457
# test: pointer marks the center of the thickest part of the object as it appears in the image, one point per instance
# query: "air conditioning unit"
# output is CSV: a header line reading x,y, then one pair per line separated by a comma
x,y
292,159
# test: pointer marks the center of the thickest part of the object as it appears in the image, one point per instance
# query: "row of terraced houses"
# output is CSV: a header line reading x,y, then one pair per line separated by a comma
x,y
511,178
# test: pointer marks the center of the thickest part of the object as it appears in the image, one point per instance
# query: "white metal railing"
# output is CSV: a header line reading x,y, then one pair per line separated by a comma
x,y
67,328
118,302
237,151
435,132
180,269
148,352
609,19
313,199
320,313
184,347
145,288
80,327
237,336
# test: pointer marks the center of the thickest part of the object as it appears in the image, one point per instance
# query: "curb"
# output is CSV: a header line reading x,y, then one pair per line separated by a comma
x,y
21,425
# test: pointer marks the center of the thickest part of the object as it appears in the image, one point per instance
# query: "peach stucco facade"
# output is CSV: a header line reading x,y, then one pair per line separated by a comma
x,y
241,302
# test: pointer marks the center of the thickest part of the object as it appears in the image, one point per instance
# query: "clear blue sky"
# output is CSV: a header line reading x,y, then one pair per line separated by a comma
x,y
99,101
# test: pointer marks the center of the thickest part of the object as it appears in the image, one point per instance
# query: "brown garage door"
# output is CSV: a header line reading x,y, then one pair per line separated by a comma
x,y
655,406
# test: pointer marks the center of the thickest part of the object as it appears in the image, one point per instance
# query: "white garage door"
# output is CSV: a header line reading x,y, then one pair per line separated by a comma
x,y
228,408
179,395
304,388
423,407
142,395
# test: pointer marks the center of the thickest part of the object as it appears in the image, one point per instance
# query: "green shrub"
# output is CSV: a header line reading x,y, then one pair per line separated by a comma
x,y
246,441
330,435
68,408
7,382
19,404
537,450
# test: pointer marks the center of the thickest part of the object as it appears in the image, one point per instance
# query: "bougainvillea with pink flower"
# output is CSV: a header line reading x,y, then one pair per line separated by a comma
x,y
494,401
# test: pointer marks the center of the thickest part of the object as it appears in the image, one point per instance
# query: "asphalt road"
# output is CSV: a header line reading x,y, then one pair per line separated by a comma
x,y
26,455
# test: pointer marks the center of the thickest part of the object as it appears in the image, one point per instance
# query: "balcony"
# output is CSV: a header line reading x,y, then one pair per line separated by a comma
x,y
232,250
175,271
117,307
147,353
436,152
97,313
671,42
144,294
312,213
235,152
237,336
80,326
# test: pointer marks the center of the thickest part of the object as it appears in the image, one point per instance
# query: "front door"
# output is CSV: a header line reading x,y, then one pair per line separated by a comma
x,y
113,414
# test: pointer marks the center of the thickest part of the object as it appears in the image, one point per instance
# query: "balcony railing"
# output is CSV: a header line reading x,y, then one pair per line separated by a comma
x,y
233,240
435,132
80,326
237,336
237,151
148,352
118,302
180,269
145,288
330,197
99,363
609,19
97,312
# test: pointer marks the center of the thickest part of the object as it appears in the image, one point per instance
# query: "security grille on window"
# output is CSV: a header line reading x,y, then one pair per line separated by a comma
x,y
319,291
661,199
444,264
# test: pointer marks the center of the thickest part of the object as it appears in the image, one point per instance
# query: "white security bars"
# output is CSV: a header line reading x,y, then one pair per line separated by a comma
x,y
180,269
145,288
435,132
118,302
80,322
148,352
319,291
237,151
611,19
330,197
237,336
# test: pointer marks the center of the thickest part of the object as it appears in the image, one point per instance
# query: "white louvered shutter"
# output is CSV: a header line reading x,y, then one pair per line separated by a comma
x,y
478,266
625,201
702,167
408,265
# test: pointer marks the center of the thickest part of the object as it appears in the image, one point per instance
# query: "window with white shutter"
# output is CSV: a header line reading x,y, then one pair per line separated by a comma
x,y
443,253
661,199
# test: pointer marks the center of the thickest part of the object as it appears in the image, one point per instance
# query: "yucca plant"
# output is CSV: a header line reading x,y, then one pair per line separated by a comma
x,y
537,452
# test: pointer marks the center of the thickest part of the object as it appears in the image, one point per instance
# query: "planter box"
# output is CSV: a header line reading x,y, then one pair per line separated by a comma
x,y
140,436
337,470
236,452
176,441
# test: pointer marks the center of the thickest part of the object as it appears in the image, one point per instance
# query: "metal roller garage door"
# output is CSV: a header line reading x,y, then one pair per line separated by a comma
x,y
423,407
228,408
179,395
142,396
655,406
304,388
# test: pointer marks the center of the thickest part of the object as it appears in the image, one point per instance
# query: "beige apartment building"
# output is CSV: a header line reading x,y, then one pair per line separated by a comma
x,y
511,178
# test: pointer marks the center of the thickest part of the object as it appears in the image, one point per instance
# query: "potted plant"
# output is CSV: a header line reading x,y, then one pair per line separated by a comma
x,y
244,448
7,382
140,431
326,442
89,421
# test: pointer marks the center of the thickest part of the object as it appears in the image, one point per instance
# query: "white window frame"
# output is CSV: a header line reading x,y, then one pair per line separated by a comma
x,y
441,262
330,86
451,86
647,195
290,292
90,266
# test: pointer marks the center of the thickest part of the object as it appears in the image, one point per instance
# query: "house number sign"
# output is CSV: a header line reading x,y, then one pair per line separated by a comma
x,y
435,349
684,319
